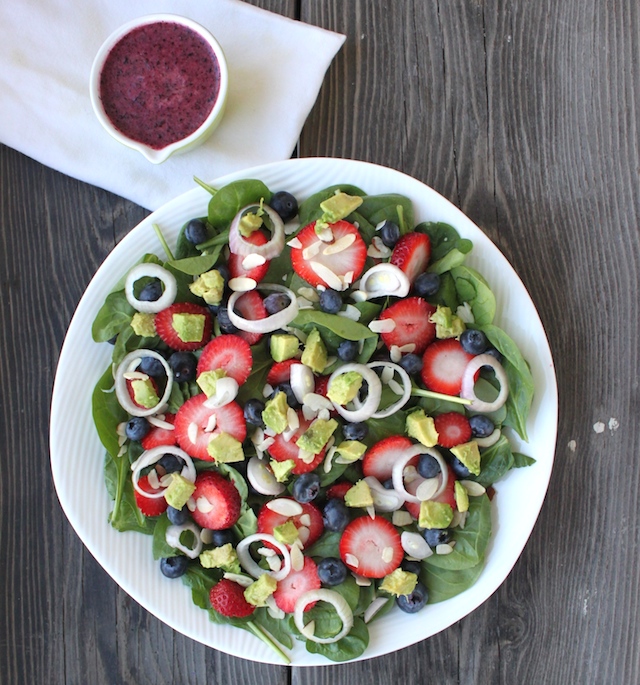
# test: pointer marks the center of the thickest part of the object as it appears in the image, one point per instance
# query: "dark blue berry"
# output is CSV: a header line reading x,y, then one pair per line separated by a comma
x,y
335,515
427,284
388,484
411,363
411,566
151,366
219,538
178,516
276,302
196,231
415,601
481,426
473,341
330,301
137,427
459,468
389,233
224,322
436,536
306,487
151,292
355,431
288,391
174,567
348,350
223,270
183,365
363,392
170,463
284,204
331,571
253,412
494,353
428,466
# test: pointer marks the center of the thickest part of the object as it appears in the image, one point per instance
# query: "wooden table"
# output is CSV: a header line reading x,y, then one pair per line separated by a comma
x,y
523,114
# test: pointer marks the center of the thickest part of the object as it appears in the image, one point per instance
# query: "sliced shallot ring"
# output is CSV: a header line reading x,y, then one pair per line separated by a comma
x,y
401,288
238,245
383,499
405,457
490,439
371,404
262,479
153,455
468,383
172,536
251,567
323,595
270,323
122,392
153,271
406,385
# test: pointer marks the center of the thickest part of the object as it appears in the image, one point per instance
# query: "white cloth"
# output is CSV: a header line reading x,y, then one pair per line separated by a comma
x,y
276,68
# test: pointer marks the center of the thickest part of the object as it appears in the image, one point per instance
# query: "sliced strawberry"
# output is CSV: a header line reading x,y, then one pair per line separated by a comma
x,y
447,495
149,506
443,365
379,460
338,490
166,331
229,352
411,317
281,449
411,254
291,588
311,516
235,261
371,547
160,436
453,429
347,261
229,419
217,501
227,598
280,372
250,306
322,385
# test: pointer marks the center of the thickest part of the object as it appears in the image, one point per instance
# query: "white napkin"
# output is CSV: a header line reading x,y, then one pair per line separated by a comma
x,y
276,67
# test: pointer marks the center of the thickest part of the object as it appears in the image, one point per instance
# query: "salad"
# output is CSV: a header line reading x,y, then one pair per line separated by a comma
x,y
306,409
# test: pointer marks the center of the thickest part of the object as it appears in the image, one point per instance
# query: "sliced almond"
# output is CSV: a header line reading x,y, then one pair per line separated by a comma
x,y
253,260
340,245
211,424
305,520
361,581
159,423
191,504
395,354
192,432
444,549
285,507
352,560
408,348
266,551
312,250
395,387
326,235
401,518
274,563
387,554
382,325
135,376
295,243
303,534
297,558
351,312
242,284
305,456
328,276
152,478
292,419
309,294
206,535
245,581
473,489
203,505
309,630
427,489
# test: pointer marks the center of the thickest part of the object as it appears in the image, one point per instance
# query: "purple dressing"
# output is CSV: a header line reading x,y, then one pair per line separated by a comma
x,y
159,83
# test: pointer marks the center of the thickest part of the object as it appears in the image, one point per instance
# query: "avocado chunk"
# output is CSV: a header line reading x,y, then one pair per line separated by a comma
x,y
448,325
469,454
144,393
282,469
422,428
207,381
339,206
224,449
287,533
345,387
315,352
283,346
224,557
143,325
317,435
178,491
275,413
188,327
359,495
250,223
209,286
399,582
435,514
462,496
260,590
351,450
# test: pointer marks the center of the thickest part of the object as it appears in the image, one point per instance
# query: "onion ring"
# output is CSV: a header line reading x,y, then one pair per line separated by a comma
x,y
371,404
400,289
238,245
153,455
251,567
153,271
172,536
122,392
405,457
383,500
490,439
468,383
269,323
323,595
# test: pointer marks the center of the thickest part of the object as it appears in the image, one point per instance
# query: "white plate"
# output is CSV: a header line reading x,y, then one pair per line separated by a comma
x,y
77,455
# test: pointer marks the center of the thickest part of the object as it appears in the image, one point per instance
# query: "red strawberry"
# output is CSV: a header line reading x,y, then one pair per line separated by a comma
x,y
235,261
338,490
160,436
379,460
229,352
250,306
291,588
411,317
149,506
268,520
446,496
280,372
411,254
165,329
371,547
443,365
229,419
281,449
351,259
453,429
322,384
217,501
227,598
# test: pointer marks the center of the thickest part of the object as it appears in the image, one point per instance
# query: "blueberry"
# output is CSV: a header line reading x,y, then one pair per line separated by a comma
x,y
411,566
459,468
151,366
411,363
253,412
389,233
183,365
151,292
481,426
224,322
428,466
170,463
223,270
331,571
196,231
284,204
427,284
276,302
415,601
137,427
436,536
335,515
330,301
174,567
473,341
494,353
178,516
348,350
355,431
388,484
287,390
306,487
226,536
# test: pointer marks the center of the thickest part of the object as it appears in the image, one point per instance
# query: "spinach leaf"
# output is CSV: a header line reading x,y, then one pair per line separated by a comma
x,y
444,583
196,265
230,199
387,207
449,261
447,294
234,476
433,406
262,362
201,580
326,546
521,460
114,315
281,267
384,428
274,626
368,311
128,341
107,412
161,549
495,462
309,210
333,329
444,238
349,647
247,523
472,288
184,247
368,348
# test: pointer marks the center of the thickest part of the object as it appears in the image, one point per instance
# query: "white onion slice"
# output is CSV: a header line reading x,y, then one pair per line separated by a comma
x,y
250,566
262,479
468,383
371,404
490,439
226,391
122,392
383,280
374,608
153,455
153,271
323,595
238,245
302,381
406,456
406,385
270,323
383,499
172,536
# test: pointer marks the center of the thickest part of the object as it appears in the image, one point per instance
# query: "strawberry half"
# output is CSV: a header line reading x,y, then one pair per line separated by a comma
x,y
411,254
443,365
268,520
227,598
447,495
229,352
149,506
281,449
371,547
379,460
217,501
166,331
291,588
280,372
194,441
250,306
351,259
453,429
338,490
236,269
411,316
160,436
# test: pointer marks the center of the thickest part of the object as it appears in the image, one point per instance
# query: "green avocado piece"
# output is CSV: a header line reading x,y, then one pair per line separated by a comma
x,y
359,495
207,381
339,206
469,454
345,387
317,435
283,346
275,413
178,491
223,557
209,286
399,582
351,449
287,533
250,223
435,514
144,393
143,325
282,469
315,353
188,327
448,325
422,428
461,496
260,590
224,449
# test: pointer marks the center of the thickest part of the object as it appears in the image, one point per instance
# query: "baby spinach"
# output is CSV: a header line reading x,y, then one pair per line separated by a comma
x,y
309,210
274,626
349,647
444,583
521,460
230,199
496,461
107,412
449,261
114,315
387,207
326,546
160,547
444,238
196,265
332,328
472,288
